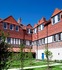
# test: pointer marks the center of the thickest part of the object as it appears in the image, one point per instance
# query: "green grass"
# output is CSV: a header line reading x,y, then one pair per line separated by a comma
x,y
27,63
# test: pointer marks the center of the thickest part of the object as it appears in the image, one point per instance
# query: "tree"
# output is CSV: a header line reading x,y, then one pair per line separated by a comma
x,y
48,55
22,55
4,52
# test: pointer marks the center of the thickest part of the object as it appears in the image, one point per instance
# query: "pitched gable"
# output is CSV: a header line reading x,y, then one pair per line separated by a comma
x,y
29,26
10,20
56,11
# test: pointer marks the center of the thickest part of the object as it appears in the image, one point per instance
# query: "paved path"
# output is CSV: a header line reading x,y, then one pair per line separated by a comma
x,y
36,66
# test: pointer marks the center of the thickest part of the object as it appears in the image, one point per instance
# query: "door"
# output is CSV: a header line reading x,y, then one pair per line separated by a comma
x,y
42,56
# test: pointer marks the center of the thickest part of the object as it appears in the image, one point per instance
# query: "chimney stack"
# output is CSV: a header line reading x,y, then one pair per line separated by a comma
x,y
19,20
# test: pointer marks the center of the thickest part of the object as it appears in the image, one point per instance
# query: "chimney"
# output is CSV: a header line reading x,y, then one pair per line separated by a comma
x,y
19,20
43,19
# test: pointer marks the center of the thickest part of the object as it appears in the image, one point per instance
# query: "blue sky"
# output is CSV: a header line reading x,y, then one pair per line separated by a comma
x,y
31,11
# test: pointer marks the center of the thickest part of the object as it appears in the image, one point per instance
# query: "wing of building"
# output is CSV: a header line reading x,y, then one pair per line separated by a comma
x,y
37,37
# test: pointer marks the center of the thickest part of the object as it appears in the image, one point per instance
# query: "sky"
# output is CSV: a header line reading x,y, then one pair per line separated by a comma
x,y
30,11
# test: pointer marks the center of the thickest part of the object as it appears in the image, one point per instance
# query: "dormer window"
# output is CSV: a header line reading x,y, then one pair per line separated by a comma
x,y
11,27
35,30
5,25
56,19
29,31
17,28
40,27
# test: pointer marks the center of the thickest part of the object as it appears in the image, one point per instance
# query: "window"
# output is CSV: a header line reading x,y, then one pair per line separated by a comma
x,y
5,25
53,19
54,38
35,30
17,41
56,19
9,40
40,27
12,40
11,27
35,43
43,41
27,42
29,31
59,36
39,42
17,28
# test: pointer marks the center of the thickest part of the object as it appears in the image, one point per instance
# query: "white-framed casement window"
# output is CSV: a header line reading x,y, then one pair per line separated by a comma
x,y
17,28
5,25
43,41
11,27
9,40
29,31
12,40
59,36
40,27
39,43
54,38
55,19
28,43
35,43
35,30
17,41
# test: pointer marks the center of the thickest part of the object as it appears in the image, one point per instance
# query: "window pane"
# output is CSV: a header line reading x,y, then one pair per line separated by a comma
x,y
11,27
58,17
17,28
9,40
5,25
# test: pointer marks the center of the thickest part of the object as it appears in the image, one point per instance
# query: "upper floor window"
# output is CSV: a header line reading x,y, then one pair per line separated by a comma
x,y
11,27
56,19
17,28
29,31
35,30
40,27
5,25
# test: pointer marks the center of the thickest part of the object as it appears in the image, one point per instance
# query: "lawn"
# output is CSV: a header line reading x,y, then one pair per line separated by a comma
x,y
28,63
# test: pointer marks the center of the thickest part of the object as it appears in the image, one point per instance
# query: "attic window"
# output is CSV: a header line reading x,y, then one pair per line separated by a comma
x,y
17,28
40,27
5,25
56,19
11,27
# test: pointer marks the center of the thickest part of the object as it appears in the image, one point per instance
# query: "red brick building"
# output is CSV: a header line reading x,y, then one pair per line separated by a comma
x,y
44,32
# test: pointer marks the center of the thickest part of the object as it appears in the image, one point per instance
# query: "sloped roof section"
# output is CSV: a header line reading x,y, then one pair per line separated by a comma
x,y
35,25
56,11
10,20
29,26
41,21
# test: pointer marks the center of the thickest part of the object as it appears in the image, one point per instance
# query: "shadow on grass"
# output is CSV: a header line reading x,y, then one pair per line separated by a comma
x,y
50,68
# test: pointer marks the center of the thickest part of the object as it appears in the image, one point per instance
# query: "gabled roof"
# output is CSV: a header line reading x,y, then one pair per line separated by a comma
x,y
10,20
56,11
42,21
29,26
35,25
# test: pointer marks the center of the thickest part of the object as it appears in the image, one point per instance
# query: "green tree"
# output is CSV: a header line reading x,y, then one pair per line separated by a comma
x,y
48,56
22,55
4,52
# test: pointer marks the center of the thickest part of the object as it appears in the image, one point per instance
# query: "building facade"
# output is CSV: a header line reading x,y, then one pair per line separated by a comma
x,y
37,37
